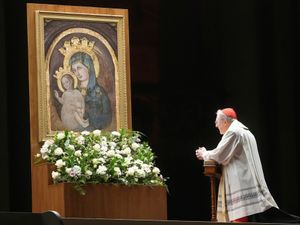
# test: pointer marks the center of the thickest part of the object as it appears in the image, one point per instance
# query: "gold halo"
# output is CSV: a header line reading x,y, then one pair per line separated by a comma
x,y
59,75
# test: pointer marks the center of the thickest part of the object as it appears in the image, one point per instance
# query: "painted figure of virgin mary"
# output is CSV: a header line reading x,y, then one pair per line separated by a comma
x,y
97,104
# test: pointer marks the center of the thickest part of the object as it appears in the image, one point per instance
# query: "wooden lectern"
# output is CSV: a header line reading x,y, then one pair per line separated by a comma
x,y
213,170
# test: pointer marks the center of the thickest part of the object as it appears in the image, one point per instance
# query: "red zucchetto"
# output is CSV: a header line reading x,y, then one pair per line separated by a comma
x,y
230,112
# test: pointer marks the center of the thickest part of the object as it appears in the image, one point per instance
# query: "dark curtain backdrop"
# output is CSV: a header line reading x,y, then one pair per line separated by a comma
x,y
4,202
188,58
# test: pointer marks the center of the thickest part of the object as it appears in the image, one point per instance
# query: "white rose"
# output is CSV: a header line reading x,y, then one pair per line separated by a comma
x,y
112,145
128,160
118,151
97,132
58,151
146,168
138,161
135,145
88,173
60,135
137,139
85,132
49,142
102,160
111,153
155,170
95,161
118,171
135,168
116,133
104,143
141,172
77,169
45,156
44,149
104,148
80,140
46,145
130,171
96,147
127,151
71,147
101,170
55,175
78,153
60,163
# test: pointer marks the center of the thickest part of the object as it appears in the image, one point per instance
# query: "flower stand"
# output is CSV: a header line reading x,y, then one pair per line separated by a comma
x,y
100,201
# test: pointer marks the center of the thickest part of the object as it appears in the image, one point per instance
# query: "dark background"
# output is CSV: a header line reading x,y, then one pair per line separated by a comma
x,y
188,58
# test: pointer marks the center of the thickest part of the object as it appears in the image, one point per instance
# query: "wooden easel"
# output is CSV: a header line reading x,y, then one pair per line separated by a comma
x,y
213,170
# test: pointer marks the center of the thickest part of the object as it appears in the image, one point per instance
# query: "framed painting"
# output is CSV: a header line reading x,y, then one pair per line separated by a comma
x,y
81,68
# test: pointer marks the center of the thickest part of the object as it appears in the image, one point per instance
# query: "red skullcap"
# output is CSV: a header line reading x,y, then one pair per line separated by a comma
x,y
229,112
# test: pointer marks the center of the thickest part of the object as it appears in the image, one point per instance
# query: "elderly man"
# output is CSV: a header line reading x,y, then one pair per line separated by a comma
x,y
242,189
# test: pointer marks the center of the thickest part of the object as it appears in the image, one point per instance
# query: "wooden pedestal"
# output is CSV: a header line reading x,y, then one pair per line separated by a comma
x,y
100,201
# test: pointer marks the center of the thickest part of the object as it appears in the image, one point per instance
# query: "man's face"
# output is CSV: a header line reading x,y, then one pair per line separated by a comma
x,y
220,124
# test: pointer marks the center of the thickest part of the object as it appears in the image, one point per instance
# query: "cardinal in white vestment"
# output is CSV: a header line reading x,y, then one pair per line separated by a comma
x,y
242,189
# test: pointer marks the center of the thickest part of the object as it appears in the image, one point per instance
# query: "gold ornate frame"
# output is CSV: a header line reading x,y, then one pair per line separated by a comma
x,y
60,32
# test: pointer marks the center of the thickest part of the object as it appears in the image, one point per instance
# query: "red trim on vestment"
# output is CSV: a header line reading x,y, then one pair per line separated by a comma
x,y
241,220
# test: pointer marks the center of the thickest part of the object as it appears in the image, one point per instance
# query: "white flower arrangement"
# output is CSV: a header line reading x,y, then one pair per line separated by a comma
x,y
101,157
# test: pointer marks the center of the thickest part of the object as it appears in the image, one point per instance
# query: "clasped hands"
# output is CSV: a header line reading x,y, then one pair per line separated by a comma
x,y
199,152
